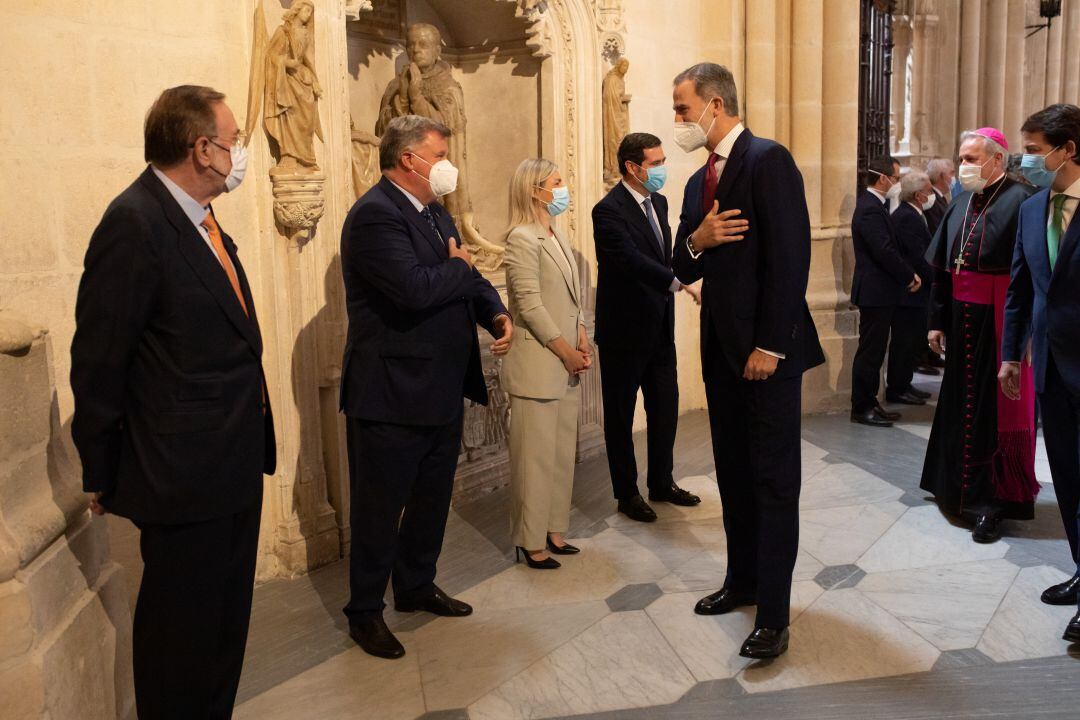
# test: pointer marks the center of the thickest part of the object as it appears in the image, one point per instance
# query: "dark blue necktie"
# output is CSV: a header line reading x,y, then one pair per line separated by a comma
x,y
647,202
426,212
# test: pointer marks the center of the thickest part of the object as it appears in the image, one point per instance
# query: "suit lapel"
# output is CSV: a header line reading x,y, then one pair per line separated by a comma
x,y
413,217
549,245
245,288
636,213
732,166
206,267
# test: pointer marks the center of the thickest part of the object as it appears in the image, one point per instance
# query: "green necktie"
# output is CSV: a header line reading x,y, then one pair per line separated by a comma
x,y
1053,233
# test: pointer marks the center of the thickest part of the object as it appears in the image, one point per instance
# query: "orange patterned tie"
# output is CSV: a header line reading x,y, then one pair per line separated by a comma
x,y
223,257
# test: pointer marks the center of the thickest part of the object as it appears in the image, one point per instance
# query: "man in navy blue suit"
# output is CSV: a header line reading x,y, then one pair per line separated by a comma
x,y
414,301
745,229
1043,304
635,325
883,276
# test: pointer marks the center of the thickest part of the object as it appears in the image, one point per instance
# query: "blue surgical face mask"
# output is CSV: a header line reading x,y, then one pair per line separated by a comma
x,y
560,200
1034,169
657,176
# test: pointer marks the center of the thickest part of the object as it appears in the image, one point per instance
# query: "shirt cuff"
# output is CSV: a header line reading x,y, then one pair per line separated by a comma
x,y
676,285
781,356
694,255
1010,362
508,317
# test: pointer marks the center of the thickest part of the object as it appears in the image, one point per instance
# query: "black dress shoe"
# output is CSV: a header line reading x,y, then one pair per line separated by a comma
x,y
1072,632
374,638
869,418
1064,593
676,496
987,529
636,508
722,601
765,643
548,563
905,398
437,603
920,393
564,549
884,414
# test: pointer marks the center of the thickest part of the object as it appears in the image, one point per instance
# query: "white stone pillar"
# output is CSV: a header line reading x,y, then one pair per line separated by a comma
x,y
65,644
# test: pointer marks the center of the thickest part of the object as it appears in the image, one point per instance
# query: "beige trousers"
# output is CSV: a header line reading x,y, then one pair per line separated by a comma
x,y
543,447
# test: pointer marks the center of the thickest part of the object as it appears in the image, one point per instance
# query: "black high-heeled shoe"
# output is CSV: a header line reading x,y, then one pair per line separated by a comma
x,y
566,549
545,564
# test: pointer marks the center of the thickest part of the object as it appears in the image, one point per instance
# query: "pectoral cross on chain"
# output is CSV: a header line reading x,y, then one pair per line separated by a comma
x,y
960,263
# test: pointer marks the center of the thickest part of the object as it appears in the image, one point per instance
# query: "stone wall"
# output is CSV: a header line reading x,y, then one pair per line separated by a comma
x,y
65,624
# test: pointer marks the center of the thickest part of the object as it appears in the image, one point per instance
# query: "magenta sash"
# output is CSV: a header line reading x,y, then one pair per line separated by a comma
x,y
1014,461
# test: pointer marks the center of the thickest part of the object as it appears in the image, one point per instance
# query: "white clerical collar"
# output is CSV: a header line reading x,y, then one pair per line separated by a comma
x,y
723,148
637,196
1072,191
412,198
195,212
877,193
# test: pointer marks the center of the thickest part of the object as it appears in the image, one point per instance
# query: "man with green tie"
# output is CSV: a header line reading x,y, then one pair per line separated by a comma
x,y
1043,303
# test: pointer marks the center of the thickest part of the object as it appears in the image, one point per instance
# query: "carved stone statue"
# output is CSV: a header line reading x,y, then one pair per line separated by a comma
x,y
291,91
365,160
616,118
425,87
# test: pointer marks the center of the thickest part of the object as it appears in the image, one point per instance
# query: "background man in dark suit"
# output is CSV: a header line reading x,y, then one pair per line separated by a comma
x,y
1043,303
414,301
909,323
941,172
171,415
745,229
635,325
882,276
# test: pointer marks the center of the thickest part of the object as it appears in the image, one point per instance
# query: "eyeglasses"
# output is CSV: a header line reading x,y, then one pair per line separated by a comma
x,y
241,137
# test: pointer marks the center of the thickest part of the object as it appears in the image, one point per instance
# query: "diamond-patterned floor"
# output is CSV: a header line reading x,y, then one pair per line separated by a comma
x,y
886,587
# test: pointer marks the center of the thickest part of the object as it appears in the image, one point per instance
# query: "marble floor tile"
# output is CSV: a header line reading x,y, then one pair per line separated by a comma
x,y
841,484
923,537
842,636
607,562
351,685
703,573
921,430
1023,627
621,662
948,605
708,645
705,488
462,659
674,543
633,561
840,535
807,566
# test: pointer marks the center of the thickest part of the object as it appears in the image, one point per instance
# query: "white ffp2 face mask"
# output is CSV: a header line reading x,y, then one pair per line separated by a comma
x,y
930,200
690,136
239,156
971,178
443,176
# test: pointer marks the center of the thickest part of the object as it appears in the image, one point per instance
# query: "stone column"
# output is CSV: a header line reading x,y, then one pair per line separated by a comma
x,y
902,41
802,90
65,648
971,49
924,57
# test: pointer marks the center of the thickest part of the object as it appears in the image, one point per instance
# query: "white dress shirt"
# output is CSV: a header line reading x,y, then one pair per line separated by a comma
x,y
676,285
195,212
878,194
1068,209
412,198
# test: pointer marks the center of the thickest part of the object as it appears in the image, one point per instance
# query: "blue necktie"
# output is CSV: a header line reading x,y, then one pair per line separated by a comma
x,y
431,221
647,202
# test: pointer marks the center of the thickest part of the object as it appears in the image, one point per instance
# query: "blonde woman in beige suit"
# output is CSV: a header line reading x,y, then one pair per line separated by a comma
x,y
542,370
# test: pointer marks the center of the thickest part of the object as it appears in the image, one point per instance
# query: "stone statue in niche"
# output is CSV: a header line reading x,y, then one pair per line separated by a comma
x,y
365,160
425,87
283,90
616,118
291,92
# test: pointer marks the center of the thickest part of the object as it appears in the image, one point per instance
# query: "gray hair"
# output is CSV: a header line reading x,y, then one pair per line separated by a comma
x,y
402,134
990,146
712,81
915,181
938,167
